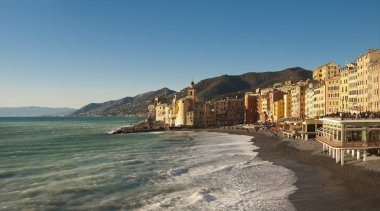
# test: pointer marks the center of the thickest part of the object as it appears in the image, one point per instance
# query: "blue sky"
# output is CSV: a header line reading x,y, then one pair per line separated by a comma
x,y
73,52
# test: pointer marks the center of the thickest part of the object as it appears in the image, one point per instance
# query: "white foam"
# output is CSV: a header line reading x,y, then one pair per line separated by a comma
x,y
224,173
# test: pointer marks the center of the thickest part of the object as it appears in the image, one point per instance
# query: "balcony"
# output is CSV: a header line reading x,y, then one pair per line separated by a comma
x,y
348,145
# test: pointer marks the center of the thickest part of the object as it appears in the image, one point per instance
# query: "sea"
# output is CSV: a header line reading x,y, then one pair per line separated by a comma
x,y
62,163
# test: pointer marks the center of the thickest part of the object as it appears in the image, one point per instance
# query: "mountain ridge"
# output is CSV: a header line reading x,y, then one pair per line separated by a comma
x,y
208,89
34,111
125,106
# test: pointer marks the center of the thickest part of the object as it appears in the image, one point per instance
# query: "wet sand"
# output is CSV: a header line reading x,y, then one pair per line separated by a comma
x,y
321,183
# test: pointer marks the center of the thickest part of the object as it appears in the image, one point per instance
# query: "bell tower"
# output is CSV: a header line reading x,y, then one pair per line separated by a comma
x,y
192,90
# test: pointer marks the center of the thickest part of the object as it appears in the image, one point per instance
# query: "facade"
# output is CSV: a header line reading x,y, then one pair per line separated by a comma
x,y
332,95
326,71
374,87
274,96
252,106
344,87
264,108
363,64
319,99
309,101
161,112
288,105
353,89
229,111
278,110
298,101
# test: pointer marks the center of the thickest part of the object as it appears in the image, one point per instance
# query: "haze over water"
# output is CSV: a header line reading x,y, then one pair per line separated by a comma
x,y
71,163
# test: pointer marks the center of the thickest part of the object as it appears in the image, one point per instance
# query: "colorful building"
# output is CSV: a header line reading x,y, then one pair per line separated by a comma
x,y
374,87
298,100
319,99
287,105
326,71
252,106
309,101
229,111
344,87
353,89
363,63
332,94
278,110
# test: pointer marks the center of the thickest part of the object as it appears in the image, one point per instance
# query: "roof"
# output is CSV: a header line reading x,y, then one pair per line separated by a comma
x,y
349,120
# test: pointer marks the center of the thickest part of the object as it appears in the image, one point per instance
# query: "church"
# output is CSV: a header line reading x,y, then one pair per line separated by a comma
x,y
188,111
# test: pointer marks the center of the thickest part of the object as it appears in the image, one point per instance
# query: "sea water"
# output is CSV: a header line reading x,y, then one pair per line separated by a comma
x,y
72,163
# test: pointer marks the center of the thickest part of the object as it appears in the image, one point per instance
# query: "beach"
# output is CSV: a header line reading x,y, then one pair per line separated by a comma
x,y
321,183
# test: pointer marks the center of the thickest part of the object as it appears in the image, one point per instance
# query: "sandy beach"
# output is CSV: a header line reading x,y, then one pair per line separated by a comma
x,y
321,183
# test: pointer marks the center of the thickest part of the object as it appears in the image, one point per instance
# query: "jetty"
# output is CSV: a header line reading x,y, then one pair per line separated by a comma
x,y
141,127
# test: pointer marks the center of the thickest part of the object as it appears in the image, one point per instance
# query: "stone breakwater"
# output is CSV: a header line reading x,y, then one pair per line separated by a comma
x,y
140,127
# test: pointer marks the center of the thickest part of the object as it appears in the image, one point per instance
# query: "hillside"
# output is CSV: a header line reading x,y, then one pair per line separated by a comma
x,y
208,89
33,111
136,105
236,85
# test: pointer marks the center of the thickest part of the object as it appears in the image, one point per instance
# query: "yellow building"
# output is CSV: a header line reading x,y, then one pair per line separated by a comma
x,y
287,105
187,107
332,94
264,107
320,99
364,61
353,89
184,105
274,95
326,71
344,87
278,110
374,87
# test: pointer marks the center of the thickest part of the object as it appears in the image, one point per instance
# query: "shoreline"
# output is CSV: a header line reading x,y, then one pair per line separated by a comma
x,y
321,183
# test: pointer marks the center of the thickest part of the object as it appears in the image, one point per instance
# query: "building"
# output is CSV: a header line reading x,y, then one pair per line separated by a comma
x,y
264,114
309,101
319,99
161,112
326,71
374,87
278,110
252,106
344,87
332,94
287,105
363,63
298,100
351,136
353,89
274,96
309,128
229,111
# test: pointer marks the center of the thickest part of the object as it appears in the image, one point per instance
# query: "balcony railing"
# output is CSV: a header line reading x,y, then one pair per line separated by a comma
x,y
351,144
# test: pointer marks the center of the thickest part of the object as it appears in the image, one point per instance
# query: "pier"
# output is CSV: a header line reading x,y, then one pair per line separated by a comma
x,y
349,137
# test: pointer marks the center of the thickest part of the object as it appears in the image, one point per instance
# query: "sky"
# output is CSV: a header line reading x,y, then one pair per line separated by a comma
x,y
68,53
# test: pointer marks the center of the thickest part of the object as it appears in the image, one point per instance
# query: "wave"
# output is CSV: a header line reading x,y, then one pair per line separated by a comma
x,y
224,173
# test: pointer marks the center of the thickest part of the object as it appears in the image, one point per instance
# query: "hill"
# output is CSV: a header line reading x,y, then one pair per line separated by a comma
x,y
208,89
136,105
236,85
33,111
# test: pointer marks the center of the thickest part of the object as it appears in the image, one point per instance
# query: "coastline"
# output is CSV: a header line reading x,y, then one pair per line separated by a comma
x,y
321,183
